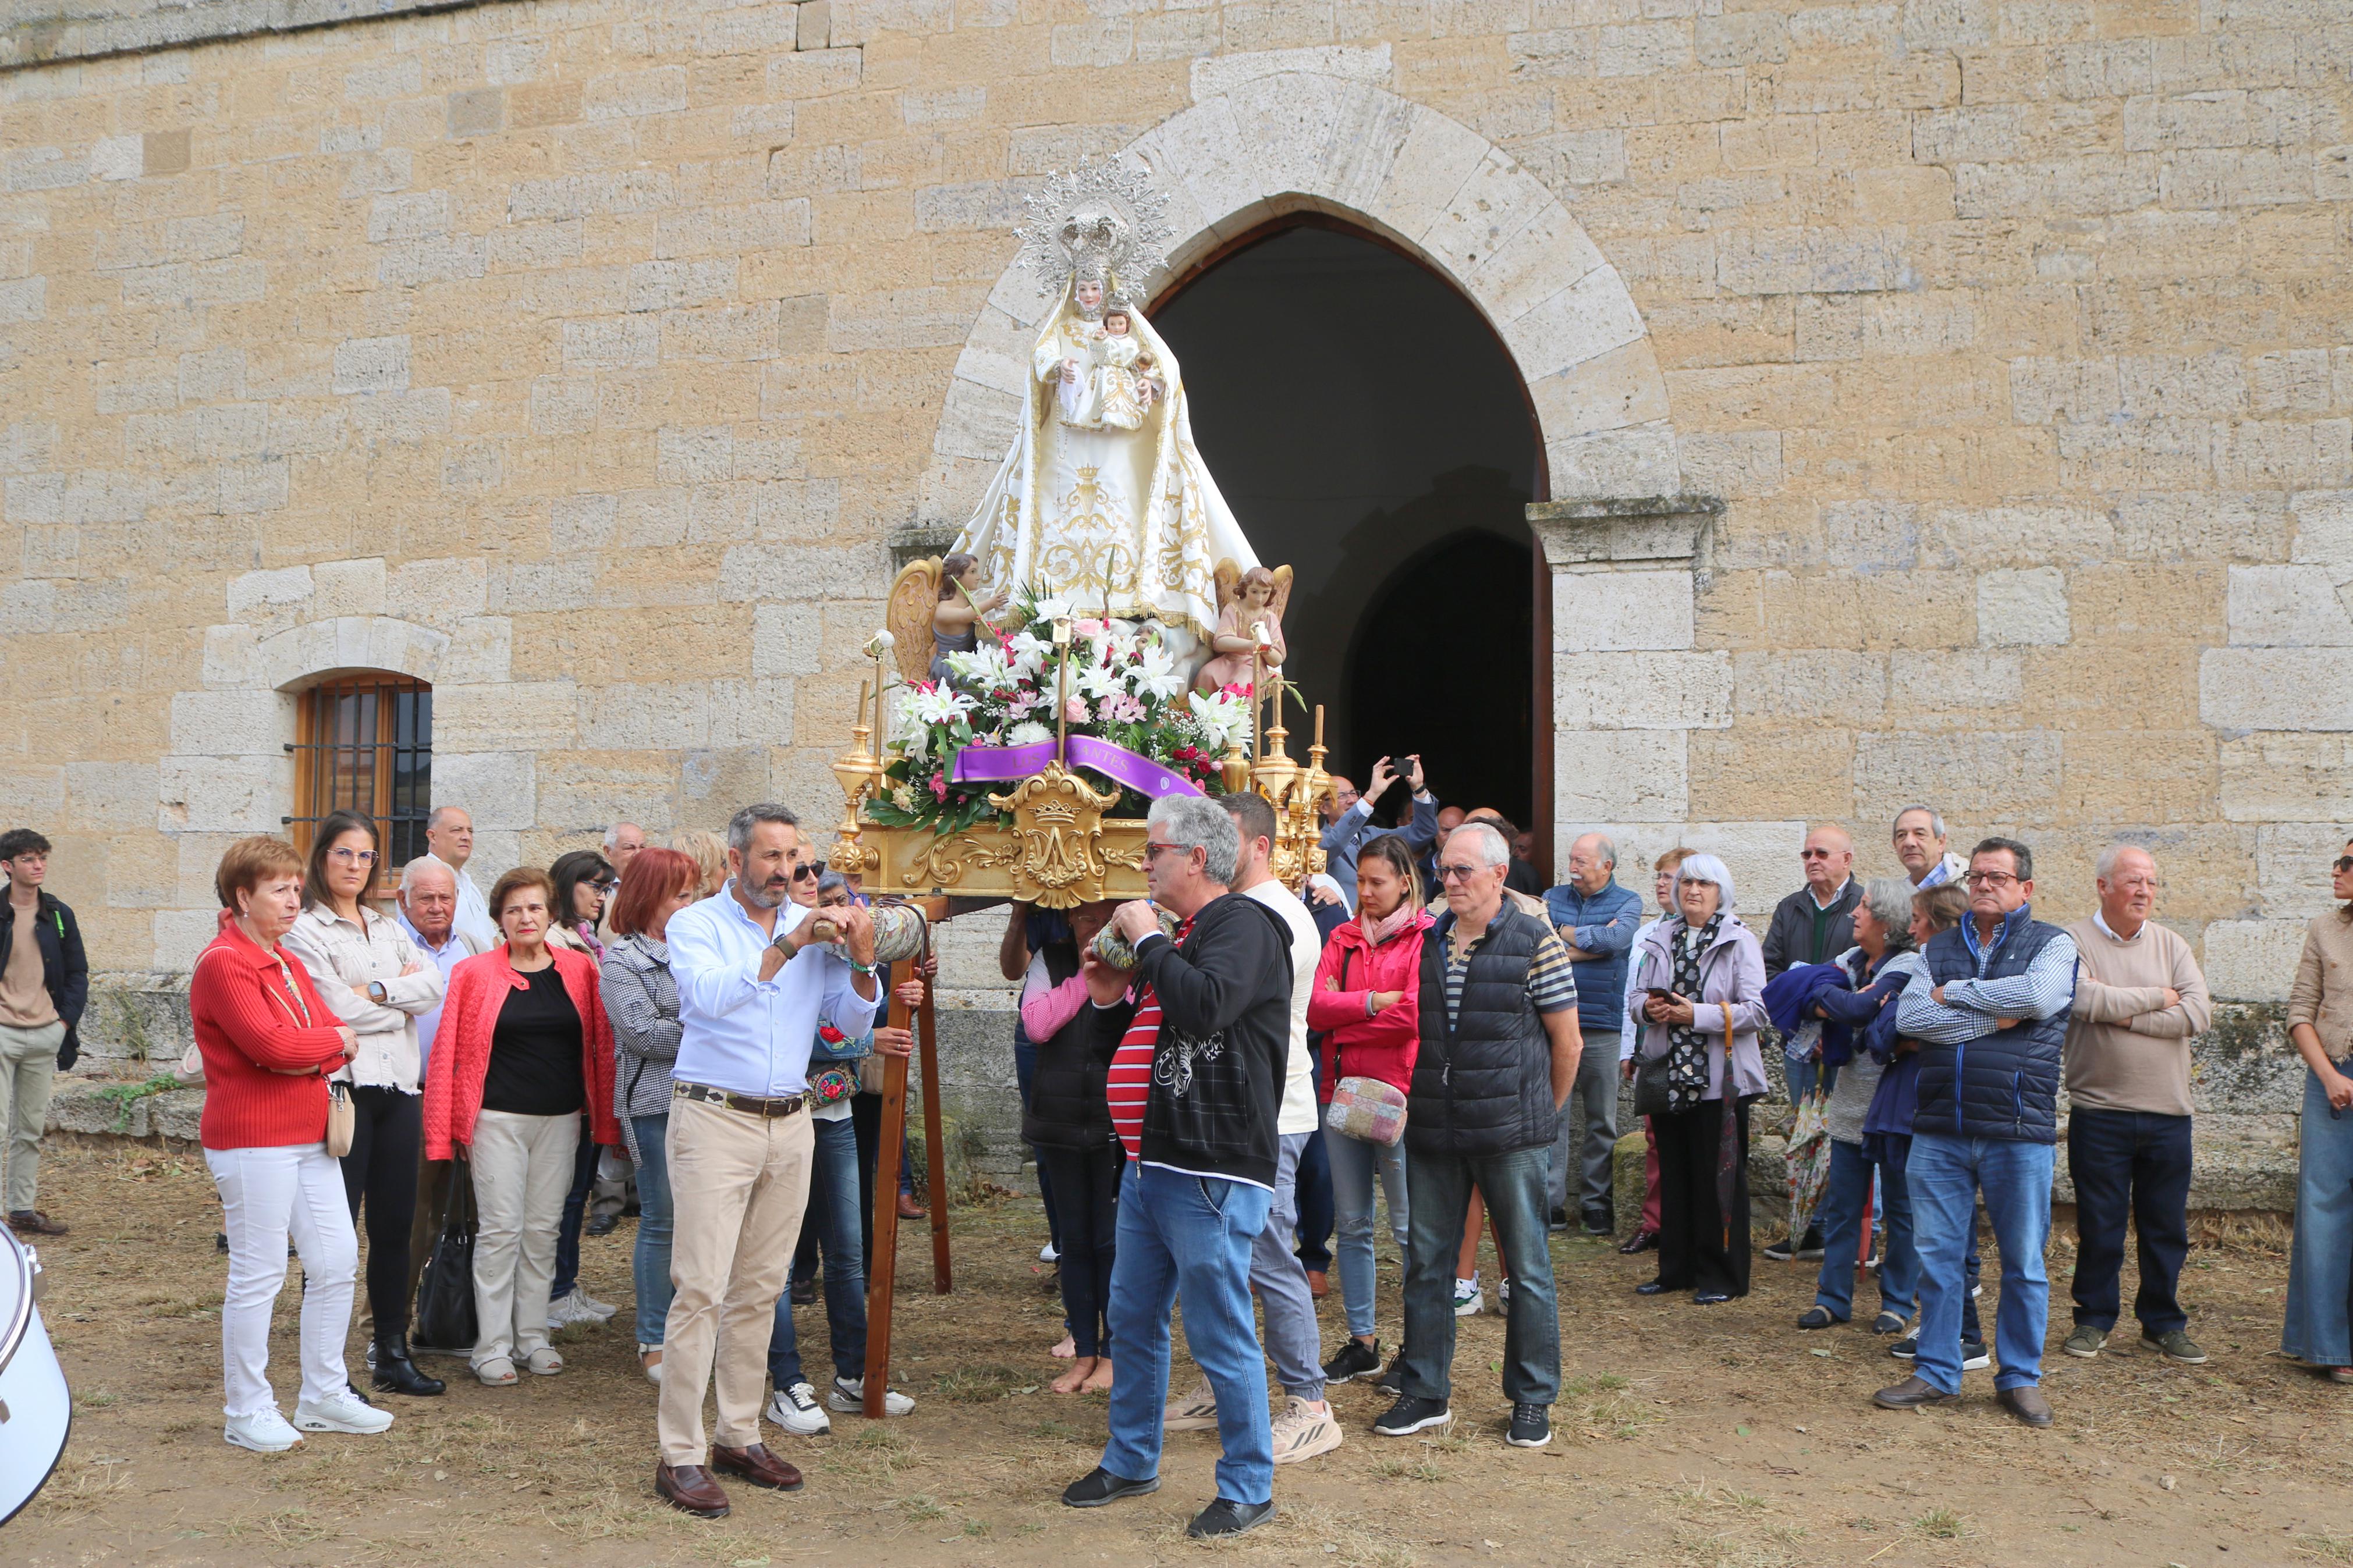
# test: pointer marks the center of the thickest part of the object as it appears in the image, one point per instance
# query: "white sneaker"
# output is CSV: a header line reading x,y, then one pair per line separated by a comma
x,y
1468,1301
1502,1292
602,1311
565,1310
1196,1412
1302,1432
342,1411
849,1394
796,1410
264,1432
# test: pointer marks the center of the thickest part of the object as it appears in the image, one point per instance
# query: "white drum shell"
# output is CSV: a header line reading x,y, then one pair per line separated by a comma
x,y
38,1408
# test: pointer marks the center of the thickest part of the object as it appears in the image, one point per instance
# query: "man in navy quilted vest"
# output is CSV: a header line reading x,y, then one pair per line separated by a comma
x,y
1991,1029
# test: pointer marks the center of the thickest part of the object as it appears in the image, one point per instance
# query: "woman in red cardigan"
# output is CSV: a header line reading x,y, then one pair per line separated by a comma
x,y
267,1043
1367,1002
521,1050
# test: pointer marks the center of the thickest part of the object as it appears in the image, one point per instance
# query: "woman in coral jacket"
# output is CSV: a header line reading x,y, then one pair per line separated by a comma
x,y
268,1043
1365,1001
522,1049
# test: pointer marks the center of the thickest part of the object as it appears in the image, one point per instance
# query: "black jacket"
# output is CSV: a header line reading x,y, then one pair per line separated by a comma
x,y
1067,1107
65,970
1482,1085
1789,940
1225,1041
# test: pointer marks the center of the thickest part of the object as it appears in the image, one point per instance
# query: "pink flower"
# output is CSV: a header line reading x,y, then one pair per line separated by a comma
x,y
1089,628
1235,689
1128,709
939,786
1075,710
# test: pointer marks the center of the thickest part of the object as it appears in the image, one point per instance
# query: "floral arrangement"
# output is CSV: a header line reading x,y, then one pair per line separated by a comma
x,y
1124,686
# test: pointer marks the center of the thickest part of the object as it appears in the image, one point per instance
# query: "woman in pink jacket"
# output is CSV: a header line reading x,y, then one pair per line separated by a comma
x,y
1365,1003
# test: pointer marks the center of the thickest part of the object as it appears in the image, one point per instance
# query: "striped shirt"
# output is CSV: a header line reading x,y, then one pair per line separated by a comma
x,y
1552,982
1127,1082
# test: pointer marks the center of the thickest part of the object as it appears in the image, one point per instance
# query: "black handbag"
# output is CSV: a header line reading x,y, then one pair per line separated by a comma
x,y
1651,1097
444,1286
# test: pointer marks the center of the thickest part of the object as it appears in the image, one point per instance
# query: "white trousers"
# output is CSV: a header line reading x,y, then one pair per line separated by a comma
x,y
523,1172
266,1195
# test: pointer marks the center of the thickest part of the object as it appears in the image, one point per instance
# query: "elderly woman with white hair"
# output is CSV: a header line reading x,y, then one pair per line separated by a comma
x,y
1698,998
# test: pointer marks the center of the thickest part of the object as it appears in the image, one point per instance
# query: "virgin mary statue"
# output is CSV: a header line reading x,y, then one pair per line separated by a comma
x,y
1104,500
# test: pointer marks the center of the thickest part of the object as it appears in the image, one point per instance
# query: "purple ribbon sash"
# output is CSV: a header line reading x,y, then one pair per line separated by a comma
x,y
984,765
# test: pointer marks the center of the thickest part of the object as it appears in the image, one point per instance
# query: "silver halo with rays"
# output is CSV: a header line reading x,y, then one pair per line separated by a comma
x,y
1105,218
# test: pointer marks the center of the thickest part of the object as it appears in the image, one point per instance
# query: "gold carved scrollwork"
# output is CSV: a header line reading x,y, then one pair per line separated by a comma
x,y
1056,855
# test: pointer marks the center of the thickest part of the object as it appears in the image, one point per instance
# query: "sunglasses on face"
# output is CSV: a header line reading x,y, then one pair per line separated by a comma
x,y
1814,854
807,873
2344,864
1458,873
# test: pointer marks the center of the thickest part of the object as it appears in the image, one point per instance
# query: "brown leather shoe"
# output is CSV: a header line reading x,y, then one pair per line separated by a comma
x,y
1914,1393
32,1221
910,1209
758,1466
689,1489
1640,1241
1319,1283
2027,1403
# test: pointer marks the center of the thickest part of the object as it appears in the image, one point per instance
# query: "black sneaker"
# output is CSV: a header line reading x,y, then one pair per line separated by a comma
x,y
1556,1221
1809,1247
1099,1486
1781,1251
1392,1379
1907,1347
1973,1352
1227,1517
1409,1414
1354,1360
1530,1426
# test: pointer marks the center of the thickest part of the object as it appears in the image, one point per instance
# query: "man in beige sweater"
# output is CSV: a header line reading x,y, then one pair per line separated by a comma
x,y
2140,999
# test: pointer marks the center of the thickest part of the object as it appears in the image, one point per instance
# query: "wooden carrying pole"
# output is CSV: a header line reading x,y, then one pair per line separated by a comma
x,y
936,1165
883,1267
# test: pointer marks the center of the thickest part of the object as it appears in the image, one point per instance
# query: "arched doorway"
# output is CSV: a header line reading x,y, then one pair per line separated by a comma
x,y
1368,428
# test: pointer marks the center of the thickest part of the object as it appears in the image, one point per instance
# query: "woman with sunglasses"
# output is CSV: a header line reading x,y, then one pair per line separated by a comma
x,y
582,878
2319,1326
373,979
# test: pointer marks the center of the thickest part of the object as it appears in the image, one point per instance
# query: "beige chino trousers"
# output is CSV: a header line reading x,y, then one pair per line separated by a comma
x,y
738,1184
523,1169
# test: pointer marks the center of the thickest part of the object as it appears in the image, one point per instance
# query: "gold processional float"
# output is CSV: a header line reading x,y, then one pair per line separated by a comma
x,y
1173,685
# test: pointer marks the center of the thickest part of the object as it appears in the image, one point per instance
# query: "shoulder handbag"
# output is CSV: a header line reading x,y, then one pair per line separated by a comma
x,y
444,1286
1651,1096
1368,1108
342,1120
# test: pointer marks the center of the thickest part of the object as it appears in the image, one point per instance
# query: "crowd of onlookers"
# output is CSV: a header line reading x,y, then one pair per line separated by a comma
x,y
1222,1088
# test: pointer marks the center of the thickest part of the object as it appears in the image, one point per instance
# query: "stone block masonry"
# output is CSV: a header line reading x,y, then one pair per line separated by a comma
x,y
1982,370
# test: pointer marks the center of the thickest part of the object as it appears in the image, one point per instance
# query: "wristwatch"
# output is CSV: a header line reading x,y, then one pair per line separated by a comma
x,y
376,993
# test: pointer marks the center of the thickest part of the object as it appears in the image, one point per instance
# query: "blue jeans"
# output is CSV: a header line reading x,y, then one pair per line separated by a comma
x,y
1189,1236
2129,1165
650,1264
1514,1188
833,1215
2317,1327
1354,1162
1945,1175
575,1209
1839,1215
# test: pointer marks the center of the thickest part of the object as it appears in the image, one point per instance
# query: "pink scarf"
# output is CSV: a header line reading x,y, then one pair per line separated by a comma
x,y
1377,931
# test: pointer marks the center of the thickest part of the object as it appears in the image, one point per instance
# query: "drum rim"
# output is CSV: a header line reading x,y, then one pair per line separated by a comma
x,y
20,1319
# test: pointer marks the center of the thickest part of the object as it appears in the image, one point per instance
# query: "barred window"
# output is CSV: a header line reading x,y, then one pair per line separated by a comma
x,y
364,742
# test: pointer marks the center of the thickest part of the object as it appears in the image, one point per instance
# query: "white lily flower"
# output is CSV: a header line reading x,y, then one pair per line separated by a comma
x,y
1029,734
1155,674
1223,719
941,704
1029,652
1049,610
984,665
1100,680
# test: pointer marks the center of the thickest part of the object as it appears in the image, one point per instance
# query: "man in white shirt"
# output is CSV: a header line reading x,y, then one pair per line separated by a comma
x,y
752,987
449,835
427,912
1306,1428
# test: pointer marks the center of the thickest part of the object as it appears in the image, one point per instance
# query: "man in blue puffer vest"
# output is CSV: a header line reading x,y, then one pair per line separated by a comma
x,y
1991,1031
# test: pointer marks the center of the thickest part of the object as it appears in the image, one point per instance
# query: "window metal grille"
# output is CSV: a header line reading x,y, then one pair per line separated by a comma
x,y
364,743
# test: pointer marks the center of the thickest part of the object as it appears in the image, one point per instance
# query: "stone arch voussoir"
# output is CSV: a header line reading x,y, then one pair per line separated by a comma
x,y
1300,140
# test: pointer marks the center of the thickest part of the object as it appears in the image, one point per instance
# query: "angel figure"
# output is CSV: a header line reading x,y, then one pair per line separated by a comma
x,y
1250,620
959,612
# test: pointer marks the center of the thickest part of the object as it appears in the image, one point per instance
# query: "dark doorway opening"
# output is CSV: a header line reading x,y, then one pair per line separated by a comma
x,y
1367,428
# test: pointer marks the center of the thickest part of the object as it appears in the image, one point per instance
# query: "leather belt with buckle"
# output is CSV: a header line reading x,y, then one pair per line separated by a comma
x,y
751,1105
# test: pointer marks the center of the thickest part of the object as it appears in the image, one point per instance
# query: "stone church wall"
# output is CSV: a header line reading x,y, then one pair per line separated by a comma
x,y
584,358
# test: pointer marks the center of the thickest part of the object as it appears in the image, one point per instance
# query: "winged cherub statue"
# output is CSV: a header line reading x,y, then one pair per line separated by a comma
x,y
1250,619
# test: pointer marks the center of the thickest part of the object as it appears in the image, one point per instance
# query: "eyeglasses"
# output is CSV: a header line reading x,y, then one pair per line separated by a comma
x,y
2344,864
1153,851
352,856
809,873
1990,879
605,887
1458,873
1813,853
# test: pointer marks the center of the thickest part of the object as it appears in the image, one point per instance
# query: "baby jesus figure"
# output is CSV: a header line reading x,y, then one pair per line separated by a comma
x,y
1232,644
1093,388
961,612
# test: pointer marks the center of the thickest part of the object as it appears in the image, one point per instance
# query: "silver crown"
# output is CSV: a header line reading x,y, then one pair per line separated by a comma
x,y
1101,220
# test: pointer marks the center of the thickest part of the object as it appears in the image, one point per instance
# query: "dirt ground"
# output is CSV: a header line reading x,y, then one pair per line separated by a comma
x,y
1710,1437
